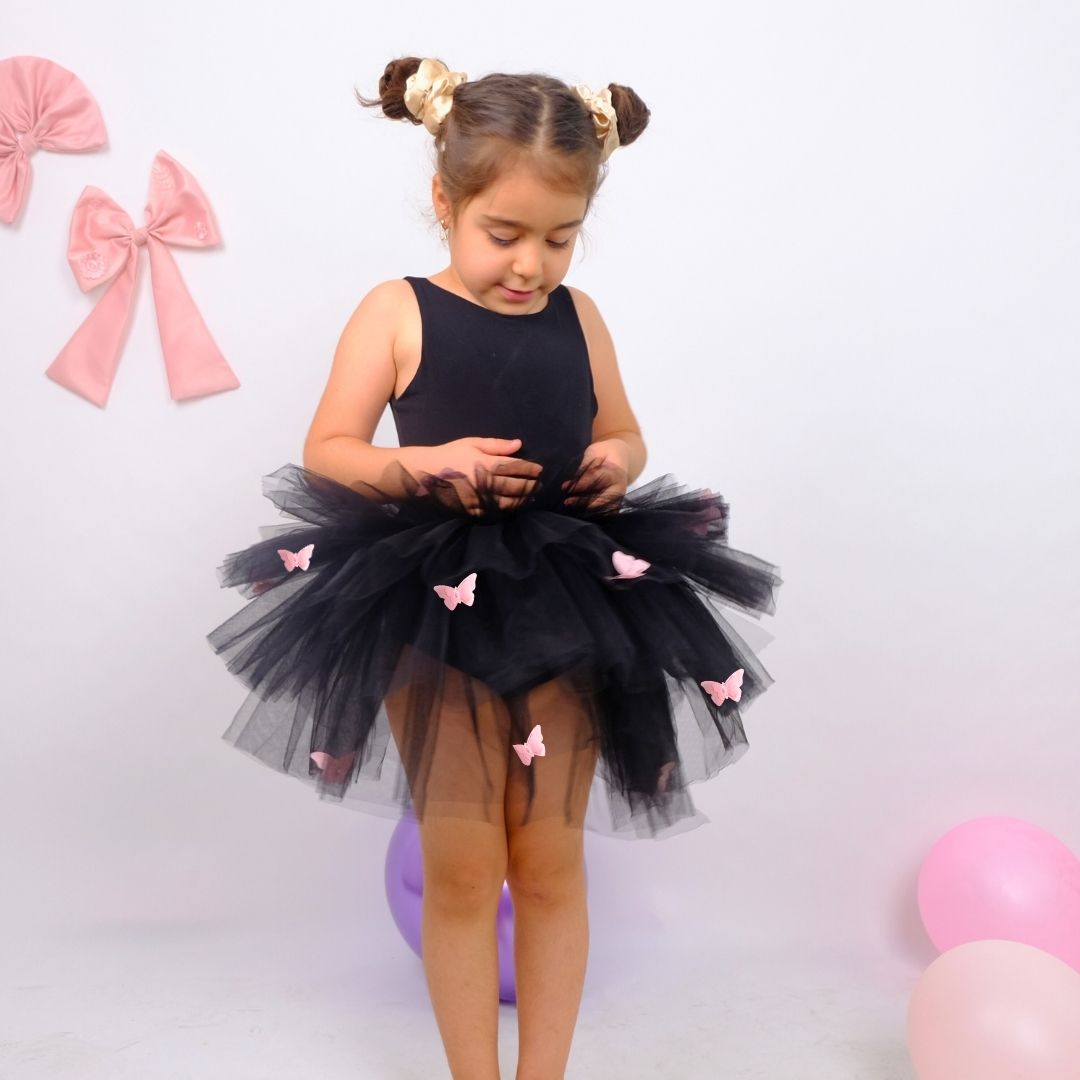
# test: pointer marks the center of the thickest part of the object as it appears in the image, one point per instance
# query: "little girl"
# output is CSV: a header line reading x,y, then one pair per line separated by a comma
x,y
483,626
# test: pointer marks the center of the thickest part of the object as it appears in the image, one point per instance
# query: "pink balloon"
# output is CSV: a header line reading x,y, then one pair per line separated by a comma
x,y
995,1010
1006,879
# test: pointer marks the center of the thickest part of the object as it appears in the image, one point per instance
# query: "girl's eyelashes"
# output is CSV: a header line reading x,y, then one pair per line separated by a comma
x,y
507,243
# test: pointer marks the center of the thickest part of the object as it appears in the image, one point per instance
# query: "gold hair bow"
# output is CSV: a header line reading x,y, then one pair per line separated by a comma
x,y
603,114
429,92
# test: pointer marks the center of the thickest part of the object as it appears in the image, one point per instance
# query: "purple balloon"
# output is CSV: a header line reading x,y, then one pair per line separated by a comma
x,y
405,879
405,892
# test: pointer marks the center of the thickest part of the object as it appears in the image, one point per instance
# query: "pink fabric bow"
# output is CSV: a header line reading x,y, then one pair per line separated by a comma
x,y
104,243
42,106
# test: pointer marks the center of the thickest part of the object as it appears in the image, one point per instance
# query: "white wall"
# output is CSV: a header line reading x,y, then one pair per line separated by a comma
x,y
841,270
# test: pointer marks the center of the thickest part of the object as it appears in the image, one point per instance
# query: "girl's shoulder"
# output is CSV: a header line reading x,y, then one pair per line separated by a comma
x,y
588,313
392,296
380,342
385,303
396,298
392,304
597,336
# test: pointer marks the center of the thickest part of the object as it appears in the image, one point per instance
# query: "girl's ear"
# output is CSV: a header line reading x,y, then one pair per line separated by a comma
x,y
438,198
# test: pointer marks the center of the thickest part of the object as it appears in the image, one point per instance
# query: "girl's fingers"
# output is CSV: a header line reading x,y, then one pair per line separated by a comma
x,y
518,467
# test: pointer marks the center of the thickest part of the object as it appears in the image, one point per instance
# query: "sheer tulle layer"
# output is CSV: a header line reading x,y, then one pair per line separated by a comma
x,y
384,693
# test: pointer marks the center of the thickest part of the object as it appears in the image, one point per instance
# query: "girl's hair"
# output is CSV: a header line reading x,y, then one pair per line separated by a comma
x,y
501,121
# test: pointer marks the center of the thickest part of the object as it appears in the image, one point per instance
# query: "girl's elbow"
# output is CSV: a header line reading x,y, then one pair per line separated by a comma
x,y
311,454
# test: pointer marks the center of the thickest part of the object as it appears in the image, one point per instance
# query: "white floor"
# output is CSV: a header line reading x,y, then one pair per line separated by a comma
x,y
210,1002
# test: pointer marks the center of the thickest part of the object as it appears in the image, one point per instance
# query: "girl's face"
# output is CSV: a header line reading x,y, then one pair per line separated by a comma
x,y
512,243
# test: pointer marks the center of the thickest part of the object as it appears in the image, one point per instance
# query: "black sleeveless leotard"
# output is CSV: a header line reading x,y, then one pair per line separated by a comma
x,y
486,373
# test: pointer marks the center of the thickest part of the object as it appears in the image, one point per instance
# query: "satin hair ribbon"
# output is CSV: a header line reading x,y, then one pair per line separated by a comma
x,y
605,123
429,92
42,106
104,244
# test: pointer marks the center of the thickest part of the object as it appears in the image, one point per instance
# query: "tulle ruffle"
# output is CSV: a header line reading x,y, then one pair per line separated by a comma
x,y
385,693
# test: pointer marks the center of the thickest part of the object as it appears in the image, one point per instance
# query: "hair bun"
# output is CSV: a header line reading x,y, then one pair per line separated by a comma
x,y
632,112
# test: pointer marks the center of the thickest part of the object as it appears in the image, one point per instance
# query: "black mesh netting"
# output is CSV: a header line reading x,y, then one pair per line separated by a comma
x,y
365,684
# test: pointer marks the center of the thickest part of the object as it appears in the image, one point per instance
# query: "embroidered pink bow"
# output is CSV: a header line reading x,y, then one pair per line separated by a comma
x,y
293,559
532,747
731,688
104,243
42,106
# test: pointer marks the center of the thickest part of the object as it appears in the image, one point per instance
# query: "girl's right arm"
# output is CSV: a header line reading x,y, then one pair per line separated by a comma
x,y
361,382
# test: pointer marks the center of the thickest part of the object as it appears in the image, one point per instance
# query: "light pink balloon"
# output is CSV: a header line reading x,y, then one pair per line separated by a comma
x,y
996,1010
1006,879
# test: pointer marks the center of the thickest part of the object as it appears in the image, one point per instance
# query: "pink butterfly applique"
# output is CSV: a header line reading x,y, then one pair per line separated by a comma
x,y
710,513
731,687
627,566
293,559
532,747
334,769
462,593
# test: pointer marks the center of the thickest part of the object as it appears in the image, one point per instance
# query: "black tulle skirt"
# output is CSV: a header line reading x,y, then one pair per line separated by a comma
x,y
437,652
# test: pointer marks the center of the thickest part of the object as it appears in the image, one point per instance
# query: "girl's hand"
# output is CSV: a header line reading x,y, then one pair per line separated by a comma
x,y
512,479
605,471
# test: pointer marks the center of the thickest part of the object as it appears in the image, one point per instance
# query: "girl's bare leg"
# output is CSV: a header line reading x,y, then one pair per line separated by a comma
x,y
546,875
464,868
461,960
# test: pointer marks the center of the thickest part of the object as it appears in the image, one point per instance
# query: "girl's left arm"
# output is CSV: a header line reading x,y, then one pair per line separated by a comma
x,y
616,432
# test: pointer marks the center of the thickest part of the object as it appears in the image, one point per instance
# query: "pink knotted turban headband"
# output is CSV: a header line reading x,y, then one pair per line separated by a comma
x,y
42,106
104,244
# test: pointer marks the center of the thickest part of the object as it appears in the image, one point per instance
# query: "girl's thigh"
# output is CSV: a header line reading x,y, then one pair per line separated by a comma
x,y
452,734
552,807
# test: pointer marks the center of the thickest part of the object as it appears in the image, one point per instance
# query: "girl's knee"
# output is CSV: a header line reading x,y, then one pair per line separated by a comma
x,y
464,863
465,888
546,863
559,887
